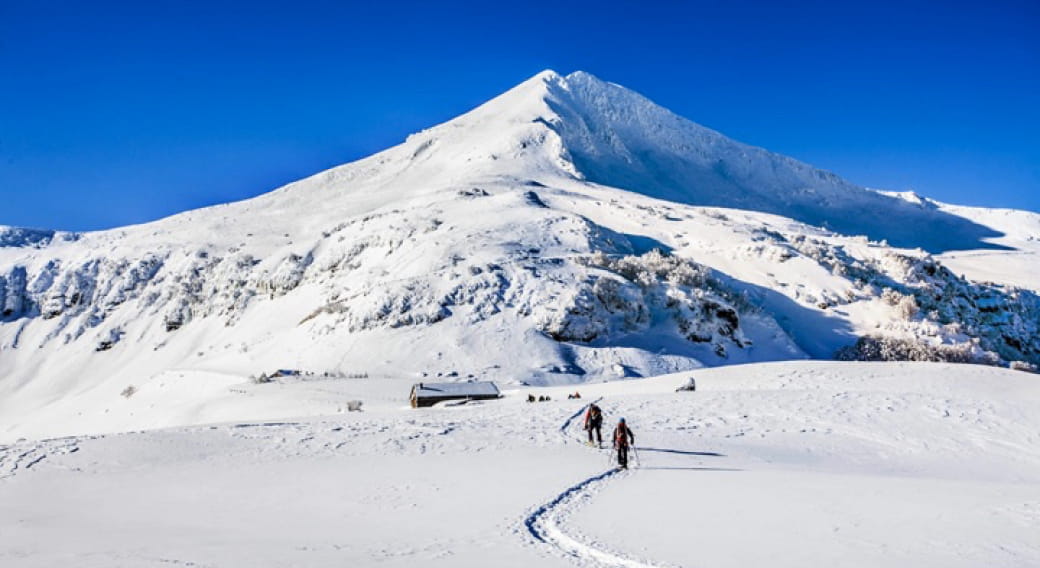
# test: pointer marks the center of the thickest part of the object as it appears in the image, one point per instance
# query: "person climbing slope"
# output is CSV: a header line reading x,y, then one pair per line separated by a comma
x,y
594,421
623,439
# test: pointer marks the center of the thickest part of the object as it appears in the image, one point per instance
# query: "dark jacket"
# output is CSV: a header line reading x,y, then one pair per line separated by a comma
x,y
593,417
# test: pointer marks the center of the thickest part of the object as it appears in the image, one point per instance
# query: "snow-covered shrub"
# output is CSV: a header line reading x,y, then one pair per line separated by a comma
x,y
128,391
1024,366
483,293
597,309
834,258
261,379
651,286
413,303
1005,320
108,341
14,298
286,276
890,296
870,348
178,315
907,307
927,296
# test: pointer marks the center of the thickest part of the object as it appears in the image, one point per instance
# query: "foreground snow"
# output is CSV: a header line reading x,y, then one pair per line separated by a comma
x,y
787,464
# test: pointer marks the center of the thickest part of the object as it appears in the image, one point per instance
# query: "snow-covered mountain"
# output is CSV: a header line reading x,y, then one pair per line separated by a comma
x,y
568,230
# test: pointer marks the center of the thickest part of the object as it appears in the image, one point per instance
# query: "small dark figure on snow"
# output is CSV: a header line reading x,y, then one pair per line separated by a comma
x,y
594,422
623,440
530,398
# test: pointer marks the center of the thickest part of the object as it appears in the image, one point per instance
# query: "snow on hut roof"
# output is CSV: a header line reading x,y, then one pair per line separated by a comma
x,y
475,388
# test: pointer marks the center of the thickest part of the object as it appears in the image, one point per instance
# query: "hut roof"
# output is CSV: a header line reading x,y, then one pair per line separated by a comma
x,y
437,390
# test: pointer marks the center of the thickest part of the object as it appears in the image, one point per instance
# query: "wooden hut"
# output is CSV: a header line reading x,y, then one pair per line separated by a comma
x,y
429,394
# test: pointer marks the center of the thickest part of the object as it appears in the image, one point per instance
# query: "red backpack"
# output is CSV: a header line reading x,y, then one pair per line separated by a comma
x,y
621,434
595,413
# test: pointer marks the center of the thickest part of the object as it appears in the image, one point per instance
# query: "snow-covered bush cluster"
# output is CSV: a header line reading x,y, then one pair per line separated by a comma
x,y
939,306
631,293
931,305
1023,366
466,276
84,294
412,303
598,308
106,343
1005,320
905,304
175,287
901,349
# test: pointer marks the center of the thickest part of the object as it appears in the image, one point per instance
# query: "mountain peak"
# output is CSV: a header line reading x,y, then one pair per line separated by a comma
x,y
546,75
614,136
556,129
586,78
552,127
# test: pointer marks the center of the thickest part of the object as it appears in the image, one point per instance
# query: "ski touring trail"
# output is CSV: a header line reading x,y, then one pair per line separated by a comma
x,y
544,525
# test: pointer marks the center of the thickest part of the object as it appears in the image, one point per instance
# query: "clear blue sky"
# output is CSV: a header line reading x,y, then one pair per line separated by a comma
x,y
117,113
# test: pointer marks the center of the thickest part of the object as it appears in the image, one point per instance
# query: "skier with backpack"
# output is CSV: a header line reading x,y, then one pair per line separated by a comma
x,y
623,440
594,421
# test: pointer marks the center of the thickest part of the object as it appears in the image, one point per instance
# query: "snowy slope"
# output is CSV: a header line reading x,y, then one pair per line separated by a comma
x,y
516,243
618,138
785,464
1017,264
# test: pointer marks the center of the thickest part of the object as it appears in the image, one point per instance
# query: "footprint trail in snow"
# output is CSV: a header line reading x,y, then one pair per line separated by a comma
x,y
545,523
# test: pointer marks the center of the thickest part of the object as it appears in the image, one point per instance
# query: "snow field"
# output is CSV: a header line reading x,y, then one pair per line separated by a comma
x,y
786,463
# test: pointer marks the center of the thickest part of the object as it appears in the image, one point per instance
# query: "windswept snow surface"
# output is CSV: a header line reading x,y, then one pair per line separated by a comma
x,y
785,464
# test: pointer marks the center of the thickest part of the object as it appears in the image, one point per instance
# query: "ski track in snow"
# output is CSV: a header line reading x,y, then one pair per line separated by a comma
x,y
23,456
570,419
544,524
